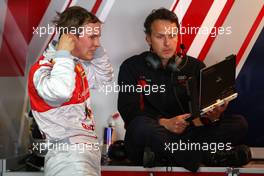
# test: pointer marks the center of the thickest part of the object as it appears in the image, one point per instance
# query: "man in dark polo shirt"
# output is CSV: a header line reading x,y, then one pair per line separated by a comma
x,y
153,102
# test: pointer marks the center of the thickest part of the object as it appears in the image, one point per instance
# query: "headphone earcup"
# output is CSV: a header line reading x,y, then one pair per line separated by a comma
x,y
153,61
172,64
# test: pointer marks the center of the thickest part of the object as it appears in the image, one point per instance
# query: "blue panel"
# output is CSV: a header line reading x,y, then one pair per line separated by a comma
x,y
250,86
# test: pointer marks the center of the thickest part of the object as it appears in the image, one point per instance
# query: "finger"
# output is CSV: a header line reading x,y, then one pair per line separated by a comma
x,y
74,37
69,35
209,113
226,103
180,123
185,124
186,116
222,107
183,116
217,109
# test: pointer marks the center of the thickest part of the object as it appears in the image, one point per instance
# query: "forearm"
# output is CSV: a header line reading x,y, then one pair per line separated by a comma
x,y
55,84
101,70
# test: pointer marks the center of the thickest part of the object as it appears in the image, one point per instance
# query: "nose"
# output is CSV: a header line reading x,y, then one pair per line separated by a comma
x,y
166,40
97,42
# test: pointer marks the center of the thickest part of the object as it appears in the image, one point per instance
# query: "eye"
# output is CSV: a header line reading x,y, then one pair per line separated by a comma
x,y
93,37
159,36
172,36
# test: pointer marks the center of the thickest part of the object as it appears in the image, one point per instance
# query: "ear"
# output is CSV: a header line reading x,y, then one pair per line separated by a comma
x,y
148,39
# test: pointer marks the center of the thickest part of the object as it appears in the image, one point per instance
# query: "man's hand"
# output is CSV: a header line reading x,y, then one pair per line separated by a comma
x,y
66,42
176,124
215,114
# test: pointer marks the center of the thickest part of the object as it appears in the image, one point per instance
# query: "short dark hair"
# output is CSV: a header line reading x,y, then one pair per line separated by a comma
x,y
160,14
74,17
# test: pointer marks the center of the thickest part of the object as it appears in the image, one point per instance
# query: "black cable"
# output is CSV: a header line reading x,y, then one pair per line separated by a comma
x,y
176,94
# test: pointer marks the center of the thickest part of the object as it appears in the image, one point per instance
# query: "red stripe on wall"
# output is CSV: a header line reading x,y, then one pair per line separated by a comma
x,y
69,3
9,62
194,17
31,11
175,5
96,6
218,24
36,11
250,35
18,31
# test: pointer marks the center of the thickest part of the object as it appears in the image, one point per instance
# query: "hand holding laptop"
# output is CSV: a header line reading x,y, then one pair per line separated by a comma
x,y
214,115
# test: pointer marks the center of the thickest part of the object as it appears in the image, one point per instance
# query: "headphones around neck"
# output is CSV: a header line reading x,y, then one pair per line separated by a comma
x,y
175,63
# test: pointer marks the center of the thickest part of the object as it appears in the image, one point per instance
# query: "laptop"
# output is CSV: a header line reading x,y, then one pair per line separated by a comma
x,y
216,86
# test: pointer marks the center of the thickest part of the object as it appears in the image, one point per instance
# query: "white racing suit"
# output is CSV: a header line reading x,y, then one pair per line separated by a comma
x,y
58,87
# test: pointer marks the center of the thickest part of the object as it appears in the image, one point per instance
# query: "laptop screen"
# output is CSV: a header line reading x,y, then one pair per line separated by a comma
x,y
217,81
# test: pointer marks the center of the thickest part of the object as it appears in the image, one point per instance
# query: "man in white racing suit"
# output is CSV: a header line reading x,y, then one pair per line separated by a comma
x,y
58,87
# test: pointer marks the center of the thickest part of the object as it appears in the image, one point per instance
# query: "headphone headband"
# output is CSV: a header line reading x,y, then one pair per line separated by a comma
x,y
154,61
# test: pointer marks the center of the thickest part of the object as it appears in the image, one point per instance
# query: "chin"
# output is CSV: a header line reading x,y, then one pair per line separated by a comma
x,y
88,57
167,56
